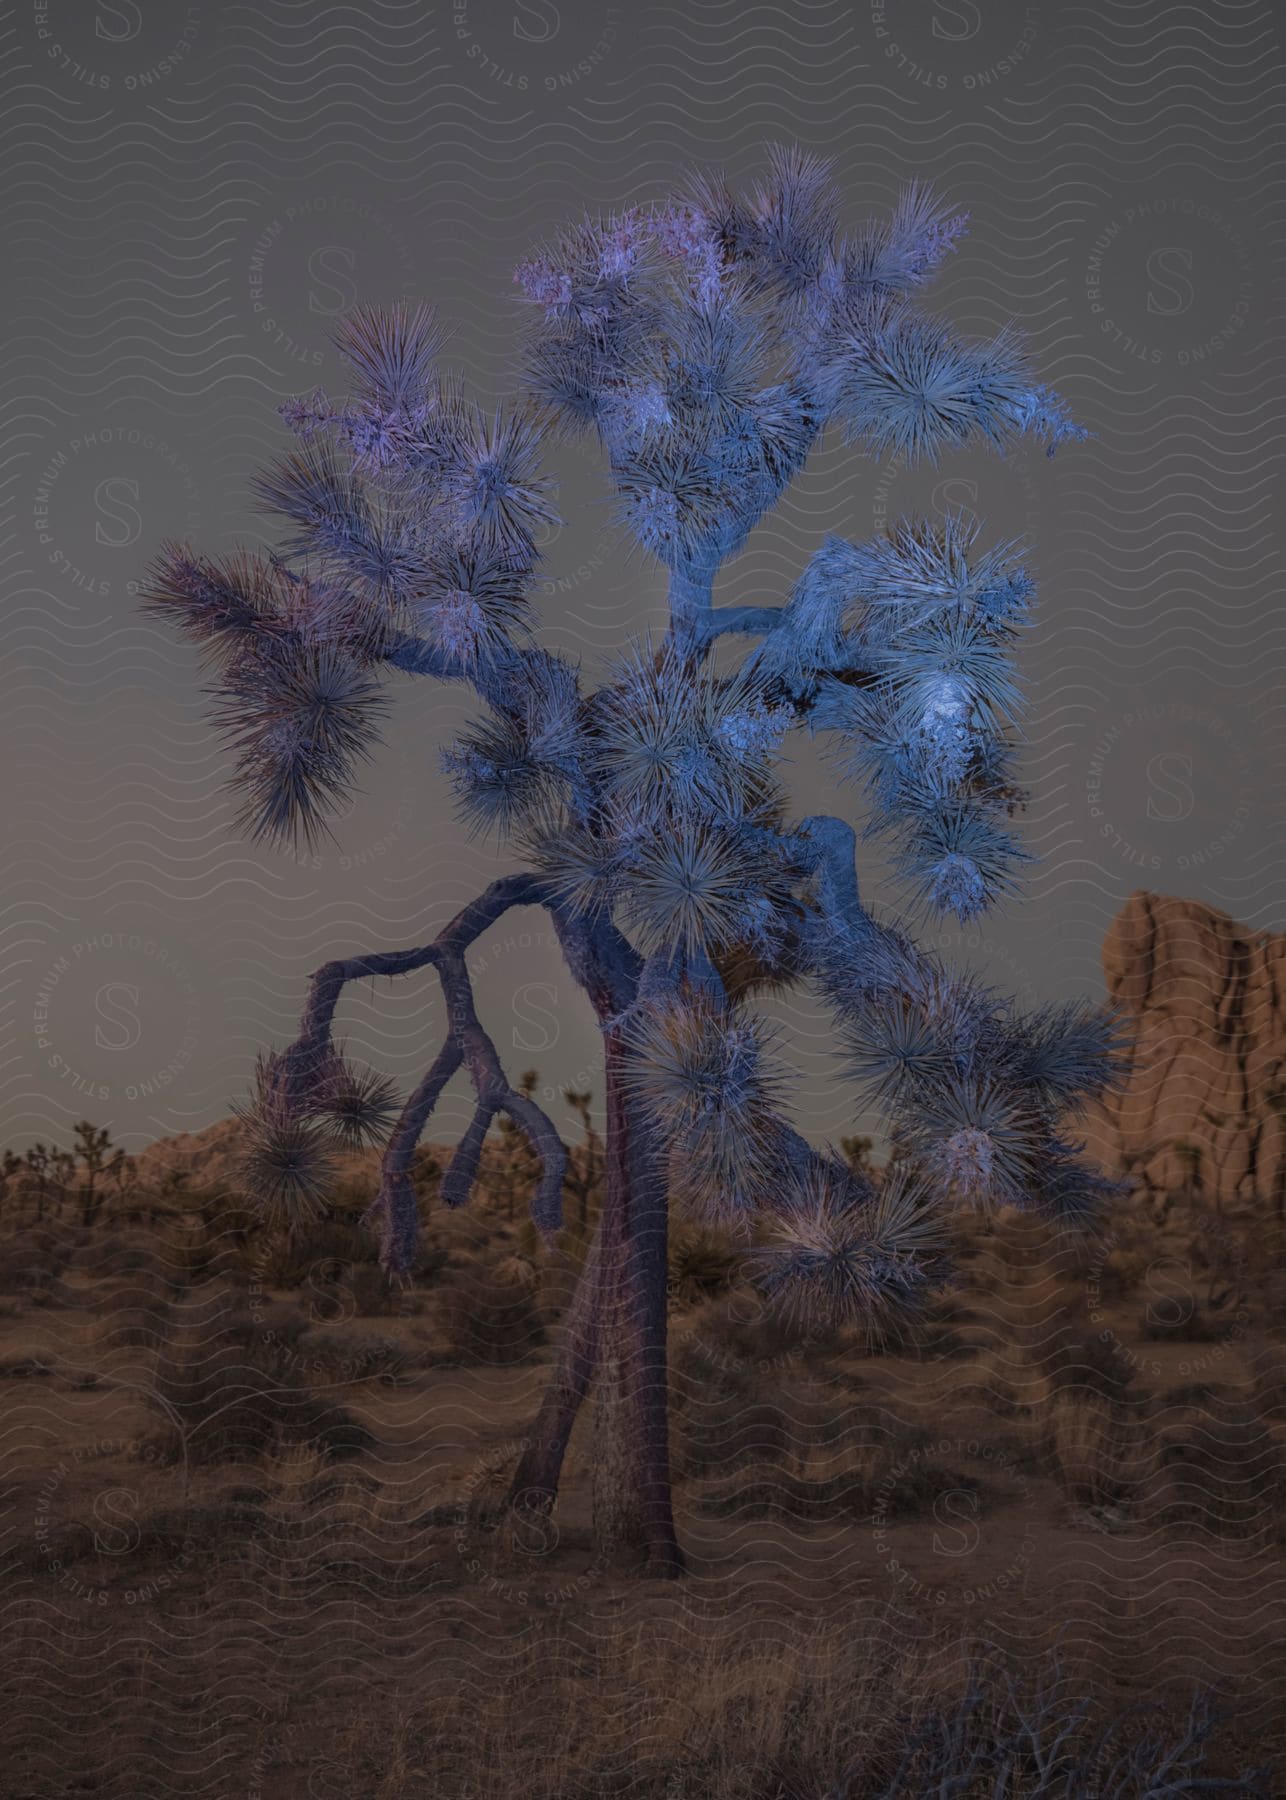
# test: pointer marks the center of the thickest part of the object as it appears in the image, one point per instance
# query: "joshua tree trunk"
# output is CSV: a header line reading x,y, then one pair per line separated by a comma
x,y
535,1483
614,1340
632,1501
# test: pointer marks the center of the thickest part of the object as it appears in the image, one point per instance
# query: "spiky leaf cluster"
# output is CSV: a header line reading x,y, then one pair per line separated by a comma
x,y
678,838
709,339
412,518
706,1075
307,1107
838,1255
974,1087
927,732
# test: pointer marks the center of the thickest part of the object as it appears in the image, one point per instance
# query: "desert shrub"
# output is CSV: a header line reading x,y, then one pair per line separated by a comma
x,y
325,1525
1123,1270
703,1261
189,1253
994,1379
333,1292
235,1402
373,1294
699,1364
289,1260
491,1315
740,1327
1019,1316
1020,1247
432,1257
466,1233
1070,1358
350,1197
947,1328
1121,1258
191,1532
713,1436
1210,1470
109,1255
32,1263
270,1328
1092,1444
1038,1735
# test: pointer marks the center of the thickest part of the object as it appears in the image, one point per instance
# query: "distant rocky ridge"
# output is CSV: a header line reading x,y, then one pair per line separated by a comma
x,y
208,1158
1209,998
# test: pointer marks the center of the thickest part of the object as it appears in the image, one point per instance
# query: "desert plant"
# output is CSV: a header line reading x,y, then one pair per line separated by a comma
x,y
41,1174
98,1164
1034,1737
492,1315
703,1261
234,1398
1092,1445
708,342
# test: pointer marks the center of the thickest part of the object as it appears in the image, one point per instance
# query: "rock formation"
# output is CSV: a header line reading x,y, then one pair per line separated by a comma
x,y
1205,1104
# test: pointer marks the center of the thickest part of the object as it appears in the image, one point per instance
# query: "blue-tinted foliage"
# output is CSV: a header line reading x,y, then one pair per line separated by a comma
x,y
707,342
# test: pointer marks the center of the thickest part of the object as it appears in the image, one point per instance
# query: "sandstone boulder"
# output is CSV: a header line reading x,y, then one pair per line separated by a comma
x,y
1206,1098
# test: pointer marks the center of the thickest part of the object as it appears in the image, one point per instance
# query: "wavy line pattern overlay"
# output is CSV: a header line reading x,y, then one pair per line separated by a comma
x,y
301,1600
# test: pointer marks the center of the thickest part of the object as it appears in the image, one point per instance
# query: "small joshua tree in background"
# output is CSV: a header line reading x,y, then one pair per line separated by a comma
x,y
706,342
99,1163
585,1167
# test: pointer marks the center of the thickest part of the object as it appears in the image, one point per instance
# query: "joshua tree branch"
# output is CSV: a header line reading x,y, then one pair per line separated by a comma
x,y
495,1094
463,1168
723,620
467,1044
691,608
478,916
394,1209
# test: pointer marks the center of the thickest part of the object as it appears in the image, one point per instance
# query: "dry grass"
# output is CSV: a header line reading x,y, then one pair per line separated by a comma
x,y
734,1706
1095,1444
322,1618
232,1397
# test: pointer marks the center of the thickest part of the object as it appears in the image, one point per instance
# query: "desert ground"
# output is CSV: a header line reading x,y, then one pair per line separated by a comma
x,y
249,1491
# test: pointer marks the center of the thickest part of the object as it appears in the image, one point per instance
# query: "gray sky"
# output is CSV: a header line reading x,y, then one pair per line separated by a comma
x,y
194,193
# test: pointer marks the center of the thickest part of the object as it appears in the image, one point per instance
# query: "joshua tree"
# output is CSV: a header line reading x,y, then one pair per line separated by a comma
x,y
707,341
92,1149
48,1173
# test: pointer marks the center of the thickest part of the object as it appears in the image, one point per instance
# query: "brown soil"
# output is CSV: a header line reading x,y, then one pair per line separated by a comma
x,y
249,1550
